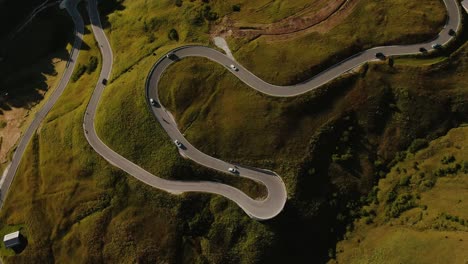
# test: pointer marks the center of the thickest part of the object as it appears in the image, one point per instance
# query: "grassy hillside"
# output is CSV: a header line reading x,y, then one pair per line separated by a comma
x,y
70,196
334,135
72,205
330,145
419,209
29,73
289,60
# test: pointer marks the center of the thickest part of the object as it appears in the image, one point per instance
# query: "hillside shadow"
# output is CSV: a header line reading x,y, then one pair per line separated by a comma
x,y
106,8
32,55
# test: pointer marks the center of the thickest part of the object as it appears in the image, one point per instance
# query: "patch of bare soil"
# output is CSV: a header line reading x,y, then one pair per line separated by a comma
x,y
14,119
11,121
308,20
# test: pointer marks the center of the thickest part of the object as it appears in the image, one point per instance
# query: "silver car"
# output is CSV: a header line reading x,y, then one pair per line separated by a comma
x,y
234,68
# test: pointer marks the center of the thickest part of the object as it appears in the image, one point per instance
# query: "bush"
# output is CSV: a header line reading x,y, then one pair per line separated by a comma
x,y
80,70
418,144
402,203
173,35
178,3
209,15
448,159
236,8
405,180
92,65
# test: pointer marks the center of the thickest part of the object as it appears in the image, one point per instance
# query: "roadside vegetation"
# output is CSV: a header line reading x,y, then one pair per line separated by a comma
x,y
31,64
69,196
296,57
330,146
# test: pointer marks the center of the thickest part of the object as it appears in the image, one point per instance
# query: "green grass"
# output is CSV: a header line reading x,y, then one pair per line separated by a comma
x,y
264,11
68,196
294,59
434,229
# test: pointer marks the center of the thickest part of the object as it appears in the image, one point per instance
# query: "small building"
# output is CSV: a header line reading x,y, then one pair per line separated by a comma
x,y
12,240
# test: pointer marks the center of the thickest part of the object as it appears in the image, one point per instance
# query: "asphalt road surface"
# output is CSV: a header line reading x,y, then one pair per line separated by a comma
x,y
276,198
26,138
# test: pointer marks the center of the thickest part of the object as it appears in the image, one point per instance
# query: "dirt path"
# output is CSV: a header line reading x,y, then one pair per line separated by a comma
x,y
302,21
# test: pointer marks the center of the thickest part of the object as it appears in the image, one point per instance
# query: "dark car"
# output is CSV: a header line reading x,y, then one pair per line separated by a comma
x,y
104,81
437,46
422,50
380,56
452,32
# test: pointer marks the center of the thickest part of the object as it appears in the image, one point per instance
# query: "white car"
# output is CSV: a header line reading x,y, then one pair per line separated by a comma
x,y
177,143
234,68
152,102
232,170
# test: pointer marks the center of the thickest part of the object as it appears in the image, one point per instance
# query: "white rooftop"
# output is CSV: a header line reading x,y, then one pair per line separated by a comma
x,y
11,236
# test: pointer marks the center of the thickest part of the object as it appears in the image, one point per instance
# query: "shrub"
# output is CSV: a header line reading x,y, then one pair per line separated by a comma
x,y
465,167
209,15
448,159
173,35
80,70
418,144
405,180
236,8
402,203
92,64
178,3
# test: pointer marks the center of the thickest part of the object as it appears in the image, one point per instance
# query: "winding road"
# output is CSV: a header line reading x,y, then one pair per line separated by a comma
x,y
277,195
71,7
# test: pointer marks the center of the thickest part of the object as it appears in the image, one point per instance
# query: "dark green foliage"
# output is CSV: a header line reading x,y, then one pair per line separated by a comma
x,y
418,144
92,64
448,159
80,70
150,25
178,3
428,183
391,196
236,8
209,14
173,35
405,180
441,172
402,203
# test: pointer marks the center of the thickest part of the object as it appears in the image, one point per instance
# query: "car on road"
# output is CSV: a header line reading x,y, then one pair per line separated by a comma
x,y
153,102
422,50
234,68
380,56
104,81
232,170
177,143
436,46
452,32
171,56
